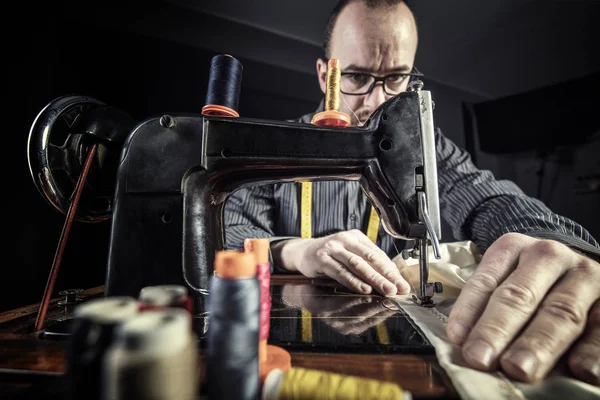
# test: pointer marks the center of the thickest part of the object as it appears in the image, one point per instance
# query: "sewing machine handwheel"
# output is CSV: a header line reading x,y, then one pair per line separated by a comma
x,y
58,143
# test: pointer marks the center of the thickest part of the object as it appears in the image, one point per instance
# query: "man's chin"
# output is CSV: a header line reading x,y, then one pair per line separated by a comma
x,y
362,119
358,120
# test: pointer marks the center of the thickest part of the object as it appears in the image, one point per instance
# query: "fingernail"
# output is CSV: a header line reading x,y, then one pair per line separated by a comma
x,y
457,332
402,286
525,361
480,353
389,289
365,288
591,365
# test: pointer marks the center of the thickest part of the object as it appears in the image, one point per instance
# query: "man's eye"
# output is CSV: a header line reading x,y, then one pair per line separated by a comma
x,y
359,79
395,79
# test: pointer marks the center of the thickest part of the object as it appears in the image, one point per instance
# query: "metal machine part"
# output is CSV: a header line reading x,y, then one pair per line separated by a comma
x,y
69,136
59,140
184,173
176,172
71,297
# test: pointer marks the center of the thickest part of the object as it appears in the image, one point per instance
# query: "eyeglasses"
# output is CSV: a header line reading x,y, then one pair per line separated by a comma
x,y
361,83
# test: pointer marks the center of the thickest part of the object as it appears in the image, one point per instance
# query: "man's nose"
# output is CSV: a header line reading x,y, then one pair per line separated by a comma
x,y
376,97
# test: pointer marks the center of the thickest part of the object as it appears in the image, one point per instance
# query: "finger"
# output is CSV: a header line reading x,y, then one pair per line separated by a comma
x,y
380,261
359,267
560,319
584,359
336,270
516,300
496,264
362,257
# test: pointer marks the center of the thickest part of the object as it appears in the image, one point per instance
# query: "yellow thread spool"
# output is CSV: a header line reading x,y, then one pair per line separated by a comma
x,y
332,116
332,84
309,384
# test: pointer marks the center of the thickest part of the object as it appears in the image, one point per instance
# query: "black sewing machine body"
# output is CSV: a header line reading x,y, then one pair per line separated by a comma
x,y
177,171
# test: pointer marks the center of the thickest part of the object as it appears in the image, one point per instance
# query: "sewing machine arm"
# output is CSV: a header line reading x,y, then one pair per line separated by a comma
x,y
176,173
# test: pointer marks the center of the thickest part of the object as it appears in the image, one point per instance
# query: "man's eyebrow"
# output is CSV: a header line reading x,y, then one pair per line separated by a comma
x,y
403,69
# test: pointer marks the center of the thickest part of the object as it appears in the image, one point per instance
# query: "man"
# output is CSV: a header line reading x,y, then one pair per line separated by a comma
x,y
536,291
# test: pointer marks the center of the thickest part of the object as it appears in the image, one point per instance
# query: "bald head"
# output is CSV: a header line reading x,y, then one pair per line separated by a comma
x,y
373,37
398,11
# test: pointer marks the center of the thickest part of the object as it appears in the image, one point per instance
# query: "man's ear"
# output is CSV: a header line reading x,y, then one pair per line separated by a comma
x,y
322,73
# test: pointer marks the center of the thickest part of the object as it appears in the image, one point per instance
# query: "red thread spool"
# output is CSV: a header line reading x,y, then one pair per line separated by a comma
x,y
269,356
260,248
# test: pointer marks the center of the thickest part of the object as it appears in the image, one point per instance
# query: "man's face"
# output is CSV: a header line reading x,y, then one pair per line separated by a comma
x,y
378,41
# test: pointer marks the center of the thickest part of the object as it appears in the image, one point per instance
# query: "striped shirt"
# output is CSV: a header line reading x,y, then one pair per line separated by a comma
x,y
477,206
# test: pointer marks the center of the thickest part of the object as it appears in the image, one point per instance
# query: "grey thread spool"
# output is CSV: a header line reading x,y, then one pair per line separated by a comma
x,y
154,356
232,368
92,332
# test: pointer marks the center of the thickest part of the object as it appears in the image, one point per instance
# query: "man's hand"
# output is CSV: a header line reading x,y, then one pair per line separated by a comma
x,y
348,257
527,302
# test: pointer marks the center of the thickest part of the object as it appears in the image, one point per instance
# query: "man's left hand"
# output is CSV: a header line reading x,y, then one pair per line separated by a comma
x,y
527,303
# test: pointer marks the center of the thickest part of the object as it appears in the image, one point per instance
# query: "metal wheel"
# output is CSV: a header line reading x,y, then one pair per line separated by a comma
x,y
58,143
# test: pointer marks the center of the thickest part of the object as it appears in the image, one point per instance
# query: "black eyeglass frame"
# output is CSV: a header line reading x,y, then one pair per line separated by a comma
x,y
415,73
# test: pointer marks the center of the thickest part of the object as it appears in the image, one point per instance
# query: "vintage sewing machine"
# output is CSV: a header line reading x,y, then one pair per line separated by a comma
x,y
163,184
173,174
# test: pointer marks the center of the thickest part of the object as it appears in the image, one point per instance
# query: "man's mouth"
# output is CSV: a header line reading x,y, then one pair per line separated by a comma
x,y
363,117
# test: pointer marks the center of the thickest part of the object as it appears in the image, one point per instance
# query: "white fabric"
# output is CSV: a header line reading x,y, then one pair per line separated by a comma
x,y
458,262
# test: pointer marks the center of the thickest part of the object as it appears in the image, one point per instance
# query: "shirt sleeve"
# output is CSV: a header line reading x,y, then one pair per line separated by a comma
x,y
249,213
480,208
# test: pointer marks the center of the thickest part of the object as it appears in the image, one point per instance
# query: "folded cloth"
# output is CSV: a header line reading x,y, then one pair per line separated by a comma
x,y
458,262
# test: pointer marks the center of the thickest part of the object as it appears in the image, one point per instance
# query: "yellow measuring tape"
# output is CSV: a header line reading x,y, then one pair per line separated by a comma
x,y
373,227
306,215
306,210
306,232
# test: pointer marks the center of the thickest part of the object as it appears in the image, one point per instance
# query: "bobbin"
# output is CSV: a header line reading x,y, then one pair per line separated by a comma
x,y
153,357
303,383
331,115
92,333
270,356
222,95
232,367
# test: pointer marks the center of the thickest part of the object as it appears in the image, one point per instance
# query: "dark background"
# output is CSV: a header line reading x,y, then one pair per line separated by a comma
x,y
153,57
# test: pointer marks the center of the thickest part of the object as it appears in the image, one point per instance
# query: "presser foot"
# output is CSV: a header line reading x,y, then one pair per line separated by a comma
x,y
425,298
425,302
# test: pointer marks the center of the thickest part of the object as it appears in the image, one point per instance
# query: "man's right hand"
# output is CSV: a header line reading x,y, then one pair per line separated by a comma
x,y
348,257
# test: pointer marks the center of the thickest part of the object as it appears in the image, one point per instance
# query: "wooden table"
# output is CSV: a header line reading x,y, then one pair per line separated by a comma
x,y
323,326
